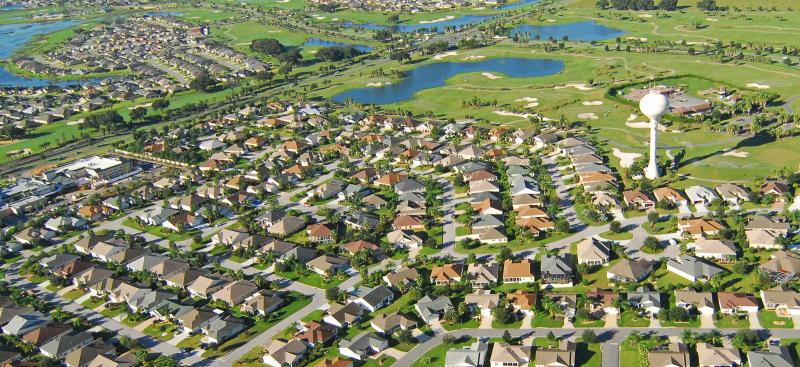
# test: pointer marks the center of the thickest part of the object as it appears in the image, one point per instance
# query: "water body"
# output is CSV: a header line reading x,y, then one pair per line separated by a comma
x,y
434,75
316,42
517,4
438,27
10,7
163,14
580,31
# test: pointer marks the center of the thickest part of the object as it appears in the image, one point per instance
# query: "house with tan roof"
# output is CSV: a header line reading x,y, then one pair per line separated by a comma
x,y
564,355
510,355
784,301
282,353
629,271
408,222
327,265
688,299
206,285
518,272
388,324
483,275
401,278
236,292
522,301
720,250
593,252
782,267
675,355
709,355
732,193
343,316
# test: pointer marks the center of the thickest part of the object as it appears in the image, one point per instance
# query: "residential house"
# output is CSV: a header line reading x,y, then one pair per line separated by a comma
x,y
510,355
629,271
720,250
220,330
784,301
698,228
343,316
593,252
703,302
732,193
432,309
473,355
234,293
734,303
196,319
774,356
522,301
388,324
646,300
282,353
564,355
362,346
556,271
674,355
518,272
319,233
693,269
638,199
374,298
447,274
709,355
782,267
669,195
262,302
483,275
483,300
700,195
58,348
327,265
317,333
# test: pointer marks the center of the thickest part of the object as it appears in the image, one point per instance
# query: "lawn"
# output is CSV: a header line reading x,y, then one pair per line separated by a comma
x,y
134,321
470,323
159,231
770,320
163,331
632,319
515,245
514,325
579,323
435,356
315,315
693,323
192,342
74,294
259,327
114,310
312,279
54,288
37,279
662,227
93,302
541,320
732,322
622,236
589,355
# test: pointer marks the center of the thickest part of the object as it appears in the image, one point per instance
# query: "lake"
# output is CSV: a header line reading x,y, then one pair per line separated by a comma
x,y
517,4
458,22
579,31
435,74
15,36
316,42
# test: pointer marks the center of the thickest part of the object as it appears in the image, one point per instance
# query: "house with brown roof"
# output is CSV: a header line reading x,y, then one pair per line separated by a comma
x,y
408,222
361,245
319,233
669,195
735,303
401,278
782,267
778,189
317,333
638,199
518,272
675,355
784,301
46,333
522,301
446,274
391,179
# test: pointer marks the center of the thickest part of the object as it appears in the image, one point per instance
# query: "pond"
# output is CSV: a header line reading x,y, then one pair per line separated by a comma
x,y
517,4
579,31
437,25
435,74
316,42
15,36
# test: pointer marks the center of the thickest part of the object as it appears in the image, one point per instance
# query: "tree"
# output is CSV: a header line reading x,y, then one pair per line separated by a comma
x,y
653,217
507,337
268,46
394,18
615,227
505,254
601,4
707,5
651,243
202,82
160,104
668,5
589,336
291,57
138,113
746,339
332,294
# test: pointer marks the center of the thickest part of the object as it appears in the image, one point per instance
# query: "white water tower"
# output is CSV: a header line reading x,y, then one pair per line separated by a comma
x,y
653,105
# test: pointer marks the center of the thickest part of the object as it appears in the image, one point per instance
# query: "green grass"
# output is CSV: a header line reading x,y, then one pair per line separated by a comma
x,y
541,320
93,302
770,320
133,322
514,325
622,236
36,279
54,288
315,315
158,231
192,342
470,323
663,227
163,331
694,323
74,294
732,322
114,311
579,323
238,259
259,327
313,279
632,319
516,245
437,353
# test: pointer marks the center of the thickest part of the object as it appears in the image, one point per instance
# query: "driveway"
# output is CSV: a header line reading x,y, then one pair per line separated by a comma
x,y
707,321
610,354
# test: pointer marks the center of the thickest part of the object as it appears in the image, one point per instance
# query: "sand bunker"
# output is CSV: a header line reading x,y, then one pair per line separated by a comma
x,y
757,86
532,104
474,57
378,84
319,17
643,125
551,20
645,15
736,153
492,76
445,54
625,159
588,116
526,99
479,8
641,39
509,113
141,105
712,20
592,103
578,86
443,19
632,117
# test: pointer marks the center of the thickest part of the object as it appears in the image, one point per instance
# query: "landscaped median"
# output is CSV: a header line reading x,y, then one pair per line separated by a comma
x,y
158,231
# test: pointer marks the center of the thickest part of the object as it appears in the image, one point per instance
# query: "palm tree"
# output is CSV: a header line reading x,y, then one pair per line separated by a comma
x,y
688,337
